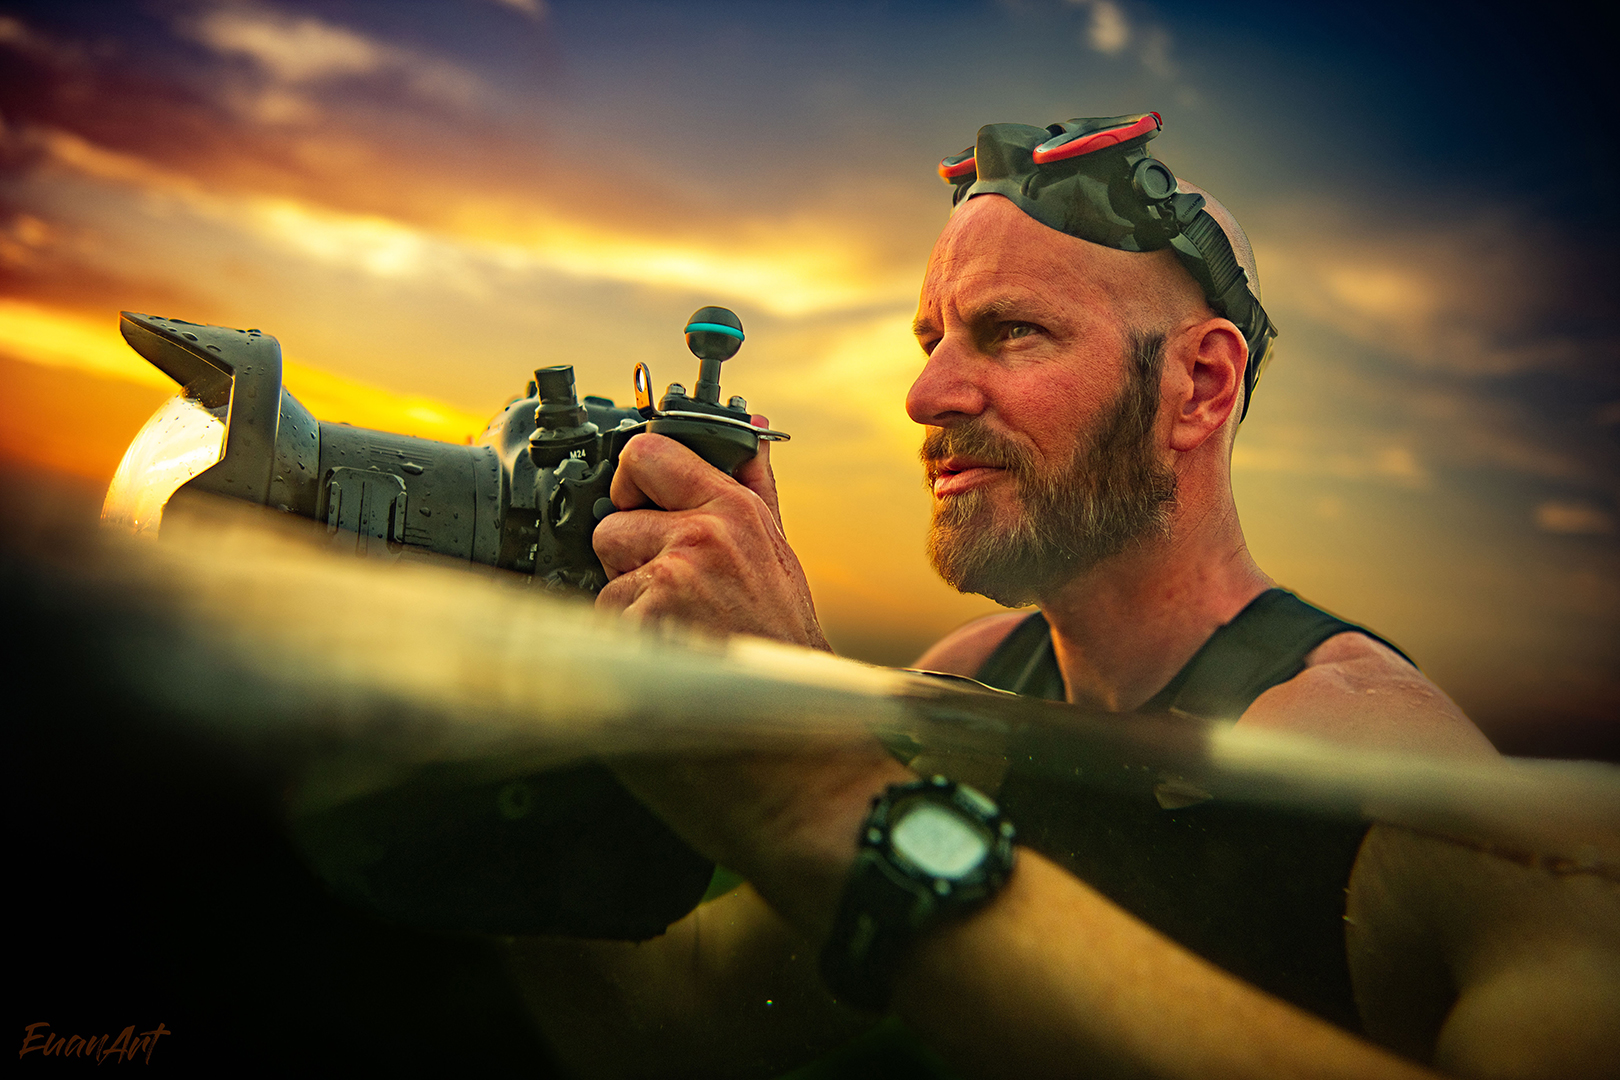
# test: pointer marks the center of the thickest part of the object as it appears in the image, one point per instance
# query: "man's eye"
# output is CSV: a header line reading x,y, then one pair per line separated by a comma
x,y
1018,330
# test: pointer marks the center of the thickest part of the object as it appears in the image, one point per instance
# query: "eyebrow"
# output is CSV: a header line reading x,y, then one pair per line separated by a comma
x,y
989,311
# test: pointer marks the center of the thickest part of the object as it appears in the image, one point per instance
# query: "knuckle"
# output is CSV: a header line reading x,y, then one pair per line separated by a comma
x,y
630,454
693,531
738,501
616,595
664,574
615,547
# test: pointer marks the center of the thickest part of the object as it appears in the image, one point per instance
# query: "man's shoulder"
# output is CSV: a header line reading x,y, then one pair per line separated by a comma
x,y
1355,689
964,650
1353,662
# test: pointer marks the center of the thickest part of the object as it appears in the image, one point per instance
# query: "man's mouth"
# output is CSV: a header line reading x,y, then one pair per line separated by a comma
x,y
956,474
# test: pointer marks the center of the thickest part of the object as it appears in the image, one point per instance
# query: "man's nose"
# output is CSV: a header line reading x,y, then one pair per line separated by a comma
x,y
946,392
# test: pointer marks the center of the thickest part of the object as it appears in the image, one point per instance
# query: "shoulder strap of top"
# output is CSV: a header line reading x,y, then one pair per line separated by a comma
x,y
1025,663
1264,645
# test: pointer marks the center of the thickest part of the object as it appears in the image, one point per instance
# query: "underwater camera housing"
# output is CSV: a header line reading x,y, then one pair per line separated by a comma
x,y
525,497
565,851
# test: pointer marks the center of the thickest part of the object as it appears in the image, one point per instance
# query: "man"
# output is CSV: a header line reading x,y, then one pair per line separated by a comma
x,y
1085,375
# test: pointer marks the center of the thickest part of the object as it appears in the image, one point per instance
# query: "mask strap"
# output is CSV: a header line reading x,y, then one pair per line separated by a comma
x,y
1205,250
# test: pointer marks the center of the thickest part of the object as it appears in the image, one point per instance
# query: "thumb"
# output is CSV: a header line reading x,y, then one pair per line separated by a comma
x,y
755,474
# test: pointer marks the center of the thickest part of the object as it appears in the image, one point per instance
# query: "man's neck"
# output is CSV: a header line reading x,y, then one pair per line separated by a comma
x,y
1123,630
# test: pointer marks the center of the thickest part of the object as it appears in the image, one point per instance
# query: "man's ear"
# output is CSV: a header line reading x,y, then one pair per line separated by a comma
x,y
1206,381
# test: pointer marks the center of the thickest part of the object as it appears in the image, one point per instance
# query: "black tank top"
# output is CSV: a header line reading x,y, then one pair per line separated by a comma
x,y
1258,891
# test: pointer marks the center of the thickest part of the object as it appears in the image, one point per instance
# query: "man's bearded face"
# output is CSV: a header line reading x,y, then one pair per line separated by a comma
x,y
1112,492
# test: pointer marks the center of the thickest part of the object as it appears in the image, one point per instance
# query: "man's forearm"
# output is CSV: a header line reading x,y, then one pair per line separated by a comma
x,y
1052,978
1047,978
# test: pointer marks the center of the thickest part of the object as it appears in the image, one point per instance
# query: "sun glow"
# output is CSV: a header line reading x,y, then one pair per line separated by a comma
x,y
91,344
86,343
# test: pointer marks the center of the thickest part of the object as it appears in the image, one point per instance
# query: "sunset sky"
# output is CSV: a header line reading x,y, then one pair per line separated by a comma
x,y
426,200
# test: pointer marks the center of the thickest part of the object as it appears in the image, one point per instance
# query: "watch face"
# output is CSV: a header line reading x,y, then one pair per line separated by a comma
x,y
938,840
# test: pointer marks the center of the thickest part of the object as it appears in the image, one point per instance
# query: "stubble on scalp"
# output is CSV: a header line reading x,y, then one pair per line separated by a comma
x,y
1112,493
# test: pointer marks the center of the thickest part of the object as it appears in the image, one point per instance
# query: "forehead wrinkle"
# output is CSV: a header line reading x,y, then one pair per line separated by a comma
x,y
980,299
994,286
989,265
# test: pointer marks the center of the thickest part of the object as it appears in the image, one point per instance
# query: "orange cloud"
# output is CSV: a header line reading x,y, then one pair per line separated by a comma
x,y
793,268
1578,518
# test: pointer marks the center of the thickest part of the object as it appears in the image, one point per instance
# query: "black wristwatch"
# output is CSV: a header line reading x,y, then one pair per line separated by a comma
x,y
930,851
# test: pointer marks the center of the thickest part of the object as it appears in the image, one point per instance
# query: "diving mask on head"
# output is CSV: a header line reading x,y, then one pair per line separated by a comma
x,y
1093,178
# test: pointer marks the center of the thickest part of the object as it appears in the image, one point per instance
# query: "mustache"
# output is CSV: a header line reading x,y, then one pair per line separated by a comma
x,y
972,439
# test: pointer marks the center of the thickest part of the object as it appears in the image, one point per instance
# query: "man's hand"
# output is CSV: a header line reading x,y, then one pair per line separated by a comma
x,y
693,544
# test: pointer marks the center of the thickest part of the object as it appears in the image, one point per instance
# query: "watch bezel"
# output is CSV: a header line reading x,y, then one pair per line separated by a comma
x,y
982,880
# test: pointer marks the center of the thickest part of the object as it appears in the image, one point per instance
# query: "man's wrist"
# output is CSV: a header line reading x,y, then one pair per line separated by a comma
x,y
930,852
798,855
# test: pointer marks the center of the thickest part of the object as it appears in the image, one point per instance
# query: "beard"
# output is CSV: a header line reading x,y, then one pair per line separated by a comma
x,y
1111,493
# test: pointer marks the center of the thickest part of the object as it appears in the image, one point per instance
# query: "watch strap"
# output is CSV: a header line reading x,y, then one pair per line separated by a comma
x,y
885,908
876,921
